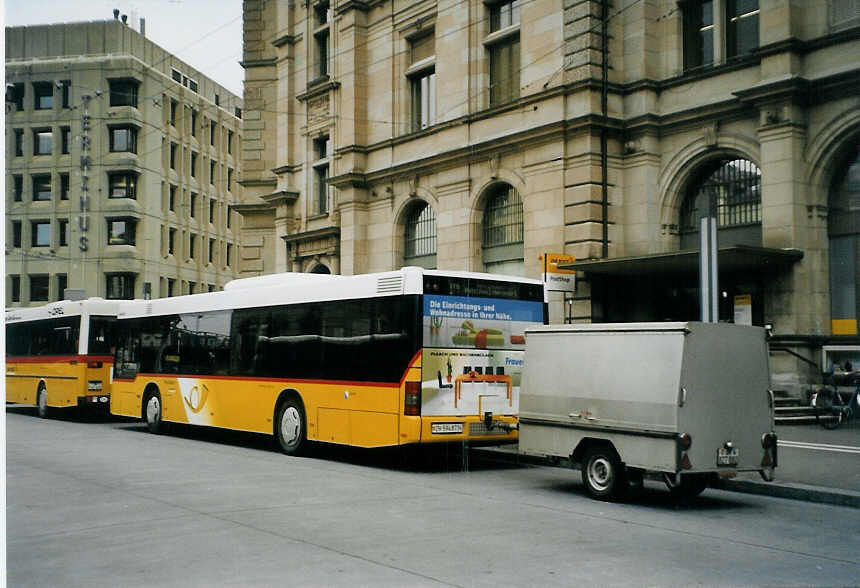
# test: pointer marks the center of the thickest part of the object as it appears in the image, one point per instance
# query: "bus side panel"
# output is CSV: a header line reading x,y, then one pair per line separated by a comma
x,y
126,398
64,378
20,383
353,413
345,412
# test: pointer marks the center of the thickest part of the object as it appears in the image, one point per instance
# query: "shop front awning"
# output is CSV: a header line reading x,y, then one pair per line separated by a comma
x,y
734,259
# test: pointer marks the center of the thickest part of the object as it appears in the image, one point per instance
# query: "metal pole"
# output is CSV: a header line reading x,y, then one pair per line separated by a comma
x,y
715,283
704,271
708,276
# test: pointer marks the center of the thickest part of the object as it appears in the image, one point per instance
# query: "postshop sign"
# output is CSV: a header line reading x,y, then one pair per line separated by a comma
x,y
556,279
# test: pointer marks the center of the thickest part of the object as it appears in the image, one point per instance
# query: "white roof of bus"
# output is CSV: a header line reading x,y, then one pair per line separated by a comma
x,y
97,306
294,288
287,278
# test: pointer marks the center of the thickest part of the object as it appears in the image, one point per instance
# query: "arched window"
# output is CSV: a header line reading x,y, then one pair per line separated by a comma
x,y
320,269
843,230
502,227
733,188
419,243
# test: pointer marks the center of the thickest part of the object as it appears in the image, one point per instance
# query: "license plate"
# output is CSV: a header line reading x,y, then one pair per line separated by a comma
x,y
727,457
446,428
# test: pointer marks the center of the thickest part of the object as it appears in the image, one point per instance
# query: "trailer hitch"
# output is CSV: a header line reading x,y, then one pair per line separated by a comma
x,y
490,424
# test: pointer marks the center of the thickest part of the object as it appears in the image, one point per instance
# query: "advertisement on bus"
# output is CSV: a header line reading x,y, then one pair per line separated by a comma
x,y
473,354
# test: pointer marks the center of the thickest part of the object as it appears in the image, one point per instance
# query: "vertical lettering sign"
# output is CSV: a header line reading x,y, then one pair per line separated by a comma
x,y
83,218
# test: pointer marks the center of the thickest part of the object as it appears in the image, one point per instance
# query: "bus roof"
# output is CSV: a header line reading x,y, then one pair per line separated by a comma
x,y
290,288
287,278
89,306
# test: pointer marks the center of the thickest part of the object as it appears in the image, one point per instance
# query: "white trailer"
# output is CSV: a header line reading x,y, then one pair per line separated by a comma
x,y
689,401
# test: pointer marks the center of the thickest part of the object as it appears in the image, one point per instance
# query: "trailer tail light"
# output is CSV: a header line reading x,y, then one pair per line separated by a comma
x,y
412,399
685,462
768,442
684,443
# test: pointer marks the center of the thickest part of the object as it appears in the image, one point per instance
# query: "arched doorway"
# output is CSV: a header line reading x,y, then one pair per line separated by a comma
x,y
419,236
730,189
502,231
843,232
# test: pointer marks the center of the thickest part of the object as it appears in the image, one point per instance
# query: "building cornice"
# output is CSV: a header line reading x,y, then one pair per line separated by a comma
x,y
359,5
794,89
250,63
281,197
316,88
351,179
256,207
324,233
287,39
259,183
287,169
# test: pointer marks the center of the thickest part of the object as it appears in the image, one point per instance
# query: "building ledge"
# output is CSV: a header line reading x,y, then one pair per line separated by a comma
x,y
318,87
287,40
281,197
326,233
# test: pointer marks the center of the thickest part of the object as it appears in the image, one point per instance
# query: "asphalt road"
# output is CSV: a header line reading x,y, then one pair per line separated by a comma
x,y
105,503
810,454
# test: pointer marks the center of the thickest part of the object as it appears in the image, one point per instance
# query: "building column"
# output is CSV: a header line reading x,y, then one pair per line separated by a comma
x,y
353,214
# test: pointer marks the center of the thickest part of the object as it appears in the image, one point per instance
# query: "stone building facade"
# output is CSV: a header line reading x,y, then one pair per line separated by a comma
x,y
479,134
121,164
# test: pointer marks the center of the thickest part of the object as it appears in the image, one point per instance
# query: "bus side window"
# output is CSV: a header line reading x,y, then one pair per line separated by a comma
x,y
250,334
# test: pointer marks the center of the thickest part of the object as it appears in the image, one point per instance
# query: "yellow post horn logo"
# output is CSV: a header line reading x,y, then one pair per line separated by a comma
x,y
196,398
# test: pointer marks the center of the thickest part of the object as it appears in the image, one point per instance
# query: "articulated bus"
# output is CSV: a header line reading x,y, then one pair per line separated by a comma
x,y
402,357
60,355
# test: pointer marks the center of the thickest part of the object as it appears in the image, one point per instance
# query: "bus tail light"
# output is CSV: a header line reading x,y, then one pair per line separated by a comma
x,y
94,364
412,400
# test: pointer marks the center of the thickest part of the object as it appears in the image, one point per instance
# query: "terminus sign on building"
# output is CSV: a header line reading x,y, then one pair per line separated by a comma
x,y
86,162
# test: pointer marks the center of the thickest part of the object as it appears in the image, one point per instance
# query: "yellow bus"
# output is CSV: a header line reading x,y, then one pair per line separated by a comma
x,y
60,355
401,357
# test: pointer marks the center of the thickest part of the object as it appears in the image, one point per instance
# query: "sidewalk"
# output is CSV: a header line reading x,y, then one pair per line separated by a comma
x,y
808,472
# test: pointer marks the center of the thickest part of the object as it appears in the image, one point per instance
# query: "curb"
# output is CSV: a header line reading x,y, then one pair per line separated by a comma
x,y
794,491
790,490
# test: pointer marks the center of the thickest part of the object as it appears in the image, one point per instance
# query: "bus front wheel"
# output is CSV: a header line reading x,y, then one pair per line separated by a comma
x,y
152,411
42,402
290,426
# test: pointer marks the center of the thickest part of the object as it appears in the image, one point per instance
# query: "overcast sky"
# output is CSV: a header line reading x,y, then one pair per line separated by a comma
x,y
207,34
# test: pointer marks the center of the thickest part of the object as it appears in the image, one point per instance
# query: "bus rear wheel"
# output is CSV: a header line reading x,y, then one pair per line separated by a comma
x,y
152,412
42,402
290,426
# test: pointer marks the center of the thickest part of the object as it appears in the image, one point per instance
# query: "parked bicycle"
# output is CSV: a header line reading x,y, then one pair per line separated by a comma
x,y
831,409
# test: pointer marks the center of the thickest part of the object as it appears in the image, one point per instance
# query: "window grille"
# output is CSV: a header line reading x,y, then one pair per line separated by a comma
x,y
733,188
503,218
420,233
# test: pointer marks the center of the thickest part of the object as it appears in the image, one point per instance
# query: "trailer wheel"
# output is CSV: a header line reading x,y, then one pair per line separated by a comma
x,y
602,473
